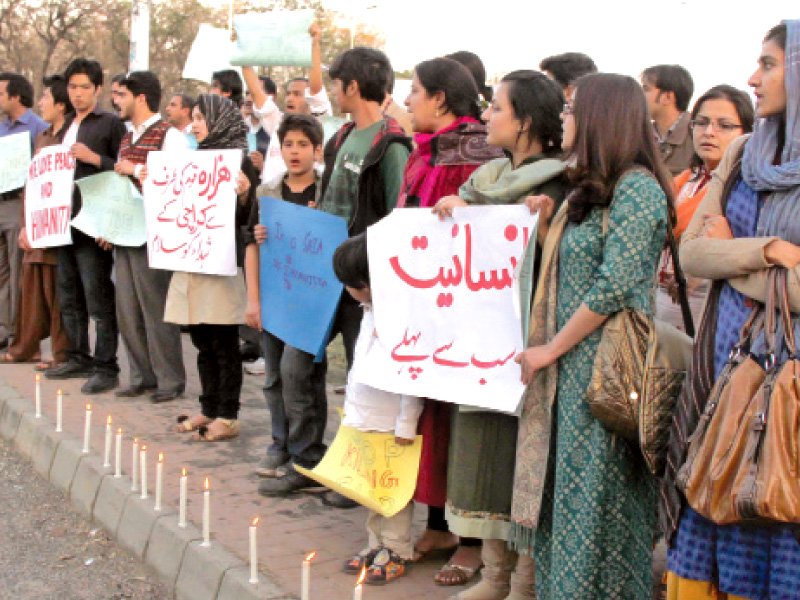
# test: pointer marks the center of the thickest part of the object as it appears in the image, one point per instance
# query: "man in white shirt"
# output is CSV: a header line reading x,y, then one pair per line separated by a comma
x,y
154,346
303,96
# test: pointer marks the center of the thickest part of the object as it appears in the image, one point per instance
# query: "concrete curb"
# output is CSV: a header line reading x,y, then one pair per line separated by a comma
x,y
190,570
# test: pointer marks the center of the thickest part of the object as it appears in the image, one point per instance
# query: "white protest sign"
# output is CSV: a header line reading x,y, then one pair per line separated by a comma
x,y
15,156
210,51
190,210
112,209
273,38
48,197
443,298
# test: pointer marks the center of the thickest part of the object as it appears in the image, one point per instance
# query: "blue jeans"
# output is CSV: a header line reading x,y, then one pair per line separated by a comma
x,y
294,388
85,289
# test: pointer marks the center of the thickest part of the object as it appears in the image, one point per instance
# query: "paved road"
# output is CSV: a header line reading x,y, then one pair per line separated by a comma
x,y
48,551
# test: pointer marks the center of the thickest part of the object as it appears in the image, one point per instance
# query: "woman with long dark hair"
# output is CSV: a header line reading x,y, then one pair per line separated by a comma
x,y
719,116
583,500
747,223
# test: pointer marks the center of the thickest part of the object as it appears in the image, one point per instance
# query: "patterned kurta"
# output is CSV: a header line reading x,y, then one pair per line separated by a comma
x,y
595,534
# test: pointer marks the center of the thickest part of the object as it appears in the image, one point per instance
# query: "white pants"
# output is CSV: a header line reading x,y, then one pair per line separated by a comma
x,y
393,532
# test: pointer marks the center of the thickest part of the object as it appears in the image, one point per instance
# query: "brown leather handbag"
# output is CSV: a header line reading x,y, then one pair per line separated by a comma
x,y
743,459
638,372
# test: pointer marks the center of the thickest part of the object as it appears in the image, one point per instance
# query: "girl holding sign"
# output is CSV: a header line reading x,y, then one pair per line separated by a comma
x,y
211,305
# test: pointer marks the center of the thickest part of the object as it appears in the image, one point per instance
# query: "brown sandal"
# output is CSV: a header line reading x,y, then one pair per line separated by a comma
x,y
228,429
187,424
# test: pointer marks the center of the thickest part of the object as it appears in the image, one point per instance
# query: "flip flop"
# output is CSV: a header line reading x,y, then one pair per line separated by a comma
x,y
204,434
6,358
185,424
460,575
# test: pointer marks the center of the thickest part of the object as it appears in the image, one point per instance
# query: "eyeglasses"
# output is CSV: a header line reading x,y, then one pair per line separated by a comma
x,y
568,109
702,123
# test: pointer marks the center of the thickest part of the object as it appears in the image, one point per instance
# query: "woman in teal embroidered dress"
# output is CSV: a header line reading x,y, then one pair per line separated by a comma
x,y
584,502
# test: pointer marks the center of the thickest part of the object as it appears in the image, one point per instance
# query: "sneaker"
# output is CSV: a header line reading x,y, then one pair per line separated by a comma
x,y
100,382
257,367
273,465
386,566
283,486
68,370
359,561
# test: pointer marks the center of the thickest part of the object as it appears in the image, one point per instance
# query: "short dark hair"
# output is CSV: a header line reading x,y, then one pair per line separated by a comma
x,y
186,101
568,67
293,79
118,78
85,66
306,124
778,35
351,263
741,103
230,83
539,101
144,83
475,66
672,78
18,87
269,85
455,83
368,67
58,89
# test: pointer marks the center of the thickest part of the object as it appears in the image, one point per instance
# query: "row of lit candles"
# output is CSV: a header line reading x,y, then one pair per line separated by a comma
x,y
139,475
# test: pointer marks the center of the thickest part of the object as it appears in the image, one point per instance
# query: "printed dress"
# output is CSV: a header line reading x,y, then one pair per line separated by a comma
x,y
595,534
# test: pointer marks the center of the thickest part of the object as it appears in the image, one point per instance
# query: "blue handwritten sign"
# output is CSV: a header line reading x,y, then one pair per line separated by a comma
x,y
299,290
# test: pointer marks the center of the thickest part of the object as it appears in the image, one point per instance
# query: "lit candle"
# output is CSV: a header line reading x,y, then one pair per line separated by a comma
x,y
182,500
206,513
253,551
38,396
87,429
143,478
135,465
305,582
118,455
159,480
357,593
59,410
107,452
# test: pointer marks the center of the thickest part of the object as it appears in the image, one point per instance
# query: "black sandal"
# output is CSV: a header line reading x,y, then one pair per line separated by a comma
x,y
359,561
386,567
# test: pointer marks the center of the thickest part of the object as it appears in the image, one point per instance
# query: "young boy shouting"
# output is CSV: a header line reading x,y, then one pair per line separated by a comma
x,y
295,385
389,547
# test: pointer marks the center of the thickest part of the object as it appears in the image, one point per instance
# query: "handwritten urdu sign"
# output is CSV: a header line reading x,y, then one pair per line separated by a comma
x,y
299,290
369,468
112,209
444,303
273,38
48,197
15,155
190,210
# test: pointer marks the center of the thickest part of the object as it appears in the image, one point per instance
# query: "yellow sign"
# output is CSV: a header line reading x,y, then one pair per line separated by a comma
x,y
370,468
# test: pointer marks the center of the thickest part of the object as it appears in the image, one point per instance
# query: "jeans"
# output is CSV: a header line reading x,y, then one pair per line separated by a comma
x,y
347,321
294,388
85,289
219,365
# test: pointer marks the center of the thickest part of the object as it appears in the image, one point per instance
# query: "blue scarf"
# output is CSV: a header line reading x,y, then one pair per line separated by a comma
x,y
781,183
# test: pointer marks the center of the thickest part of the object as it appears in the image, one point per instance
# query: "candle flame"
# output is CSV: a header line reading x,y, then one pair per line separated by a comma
x,y
119,430
362,576
89,408
254,522
38,377
108,420
206,485
136,441
161,457
59,392
310,556
143,448
183,472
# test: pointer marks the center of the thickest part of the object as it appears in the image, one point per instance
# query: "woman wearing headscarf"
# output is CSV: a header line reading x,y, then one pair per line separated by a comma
x,y
584,503
212,306
748,222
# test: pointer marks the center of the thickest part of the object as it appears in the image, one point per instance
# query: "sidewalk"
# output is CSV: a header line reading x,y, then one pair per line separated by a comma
x,y
289,528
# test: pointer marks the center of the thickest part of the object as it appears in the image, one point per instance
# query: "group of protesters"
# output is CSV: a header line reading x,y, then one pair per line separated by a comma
x,y
549,504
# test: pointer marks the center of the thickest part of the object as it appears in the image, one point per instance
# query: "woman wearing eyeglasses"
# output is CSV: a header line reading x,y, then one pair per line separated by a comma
x,y
719,116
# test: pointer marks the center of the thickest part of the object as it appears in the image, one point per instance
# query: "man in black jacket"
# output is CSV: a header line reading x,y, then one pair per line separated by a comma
x,y
83,275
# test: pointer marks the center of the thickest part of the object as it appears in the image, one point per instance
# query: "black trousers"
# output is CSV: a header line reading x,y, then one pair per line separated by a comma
x,y
219,365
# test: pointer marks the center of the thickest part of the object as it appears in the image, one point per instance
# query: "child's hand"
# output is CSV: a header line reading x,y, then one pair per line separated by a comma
x,y
312,204
252,315
402,441
260,233
444,207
